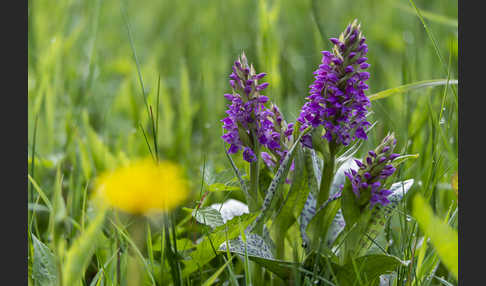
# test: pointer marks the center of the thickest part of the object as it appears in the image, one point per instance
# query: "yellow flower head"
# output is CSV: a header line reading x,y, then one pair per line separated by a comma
x,y
143,187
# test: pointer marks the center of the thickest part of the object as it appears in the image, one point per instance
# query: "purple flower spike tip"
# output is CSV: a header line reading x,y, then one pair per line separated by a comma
x,y
337,100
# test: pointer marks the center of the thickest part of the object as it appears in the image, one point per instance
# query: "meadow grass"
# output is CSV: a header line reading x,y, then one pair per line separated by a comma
x,y
111,81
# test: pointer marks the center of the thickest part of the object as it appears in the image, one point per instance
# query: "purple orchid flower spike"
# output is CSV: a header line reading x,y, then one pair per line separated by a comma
x,y
367,182
337,100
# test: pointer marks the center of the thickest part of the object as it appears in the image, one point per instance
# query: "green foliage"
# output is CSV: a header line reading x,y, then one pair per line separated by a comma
x,y
208,216
409,87
367,269
443,237
79,254
206,250
92,105
213,277
44,269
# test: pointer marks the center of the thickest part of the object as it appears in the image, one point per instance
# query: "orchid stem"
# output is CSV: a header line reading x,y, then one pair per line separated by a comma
x,y
327,175
255,202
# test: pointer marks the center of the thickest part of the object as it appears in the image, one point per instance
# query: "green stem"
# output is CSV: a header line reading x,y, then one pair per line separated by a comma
x,y
255,202
256,273
137,233
280,243
327,176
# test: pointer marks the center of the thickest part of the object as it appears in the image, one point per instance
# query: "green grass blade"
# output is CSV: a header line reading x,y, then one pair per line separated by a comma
x,y
429,34
79,254
40,192
216,274
411,86
434,17
443,237
135,248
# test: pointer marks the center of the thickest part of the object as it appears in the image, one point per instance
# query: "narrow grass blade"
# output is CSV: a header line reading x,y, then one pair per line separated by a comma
x,y
411,86
137,251
216,274
41,193
434,17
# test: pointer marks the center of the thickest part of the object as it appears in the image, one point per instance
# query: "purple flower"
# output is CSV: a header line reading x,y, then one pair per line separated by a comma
x,y
247,118
267,158
250,124
393,156
307,141
276,135
367,181
337,100
248,155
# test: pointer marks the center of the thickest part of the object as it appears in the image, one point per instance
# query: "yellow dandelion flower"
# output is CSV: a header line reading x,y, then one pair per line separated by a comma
x,y
143,187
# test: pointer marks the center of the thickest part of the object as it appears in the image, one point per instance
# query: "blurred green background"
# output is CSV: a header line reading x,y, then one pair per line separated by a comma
x,y
86,107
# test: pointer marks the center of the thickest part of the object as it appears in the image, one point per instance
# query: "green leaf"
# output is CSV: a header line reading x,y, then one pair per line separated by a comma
x,y
411,86
314,163
336,227
208,216
44,270
443,237
254,245
295,200
329,215
399,160
319,225
80,252
308,212
350,207
277,181
367,269
220,187
281,268
183,244
237,172
206,249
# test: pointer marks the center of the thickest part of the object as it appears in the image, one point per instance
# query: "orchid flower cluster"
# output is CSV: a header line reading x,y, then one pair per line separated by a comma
x,y
337,100
332,120
367,181
250,123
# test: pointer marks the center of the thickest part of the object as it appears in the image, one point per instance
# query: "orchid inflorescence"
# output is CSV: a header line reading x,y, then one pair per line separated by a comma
x,y
337,100
367,182
249,121
337,106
